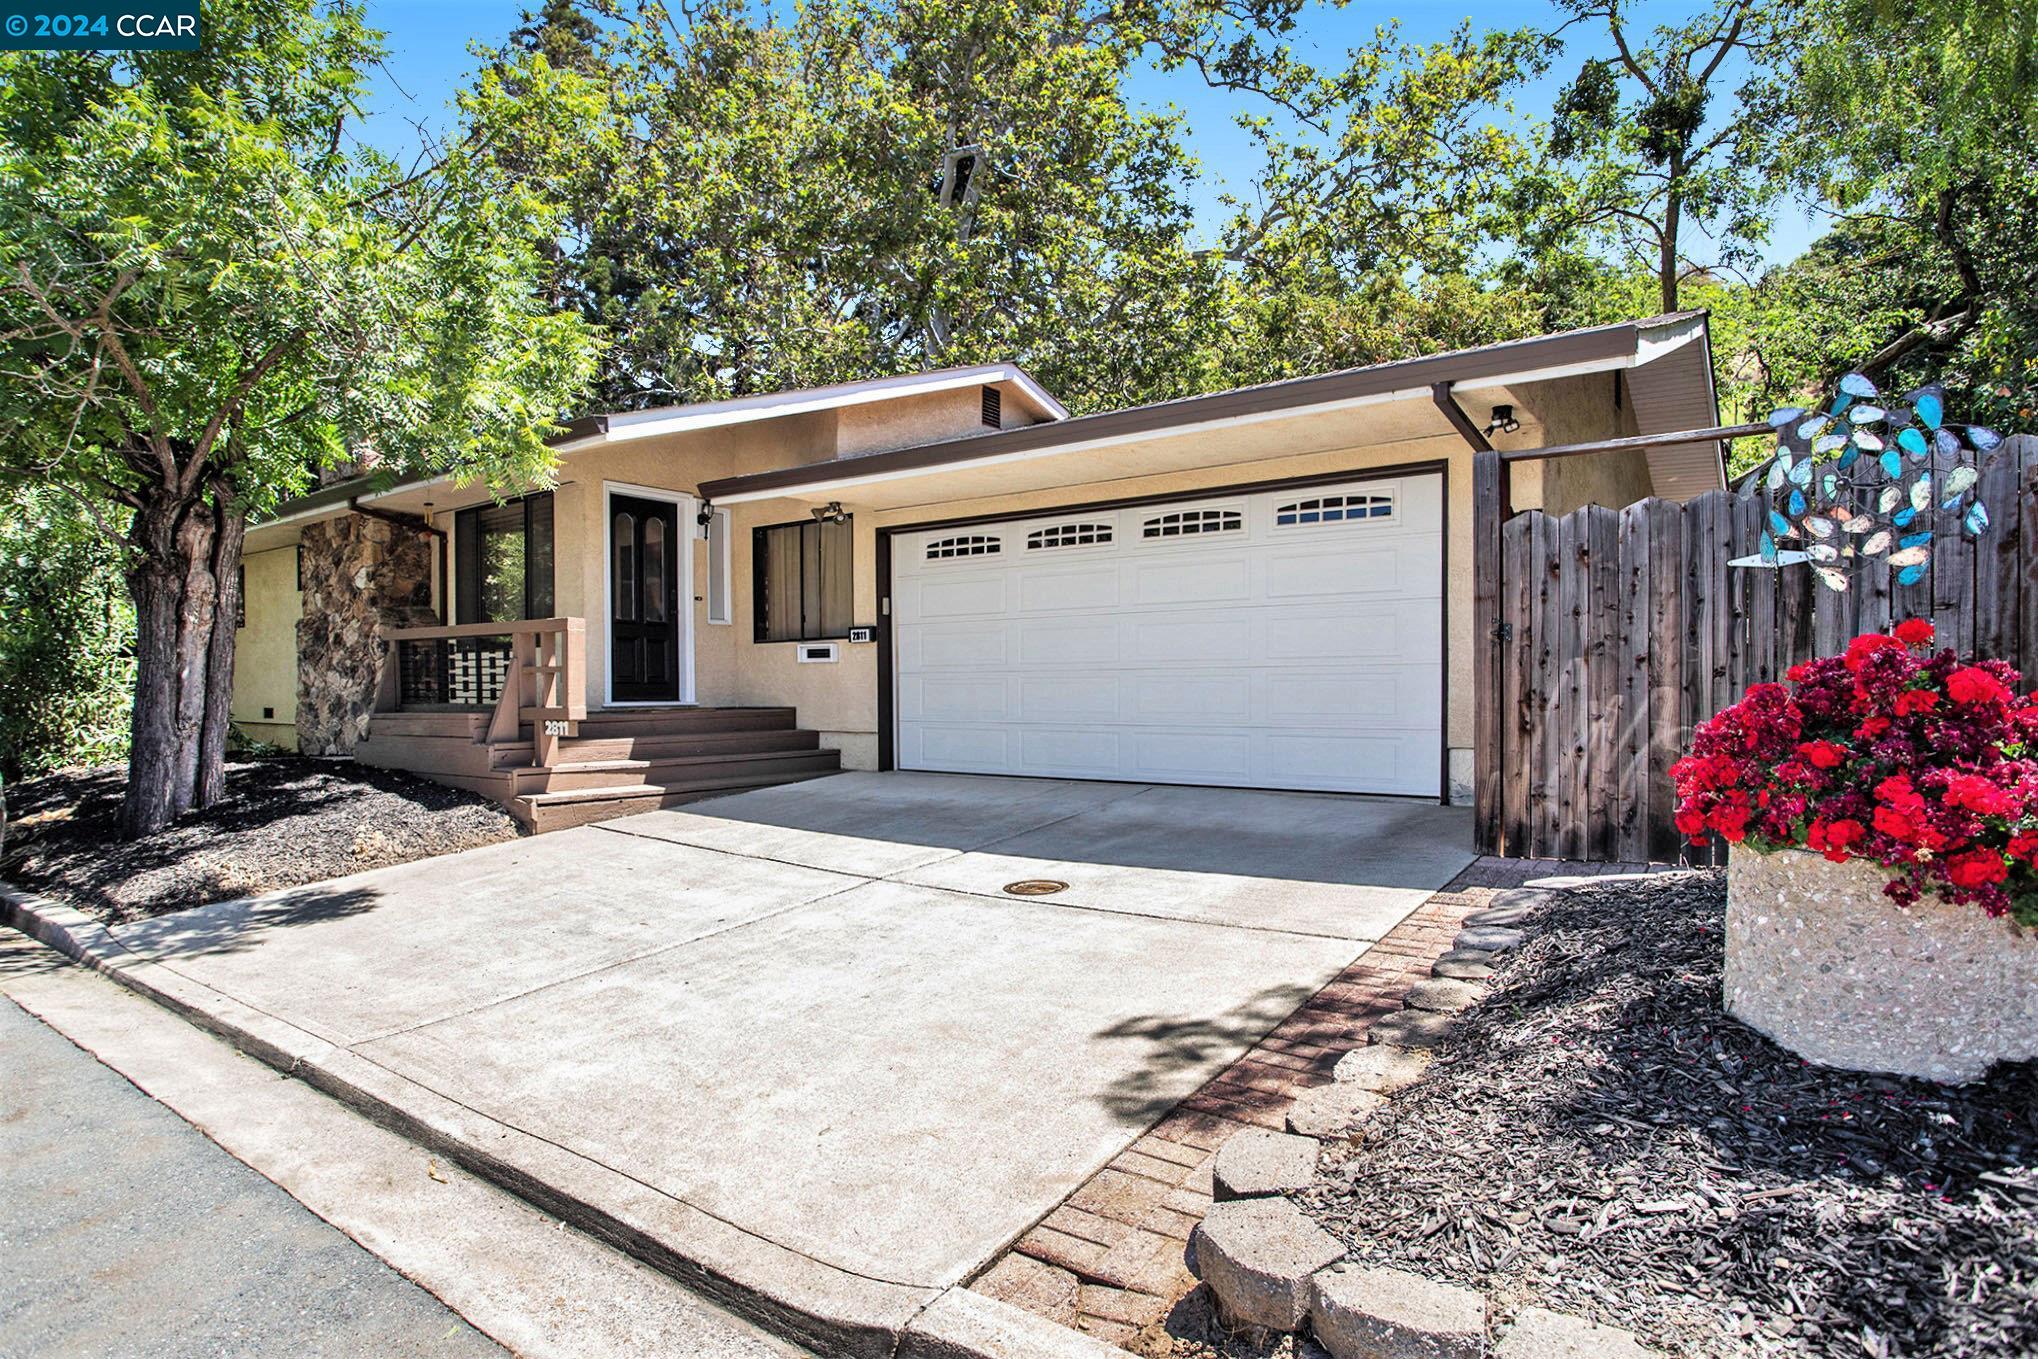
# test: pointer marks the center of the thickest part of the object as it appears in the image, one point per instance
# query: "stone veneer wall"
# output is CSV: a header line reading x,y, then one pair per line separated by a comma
x,y
361,575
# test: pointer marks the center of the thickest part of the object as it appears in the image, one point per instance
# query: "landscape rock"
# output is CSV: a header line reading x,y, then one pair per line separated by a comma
x,y
1494,938
1332,1110
1382,1069
1522,898
1442,995
1464,964
1410,1029
1368,1312
1258,1256
1542,1334
1258,1162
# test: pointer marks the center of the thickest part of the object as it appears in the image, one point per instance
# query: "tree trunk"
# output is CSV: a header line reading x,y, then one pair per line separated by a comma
x,y
1666,257
151,757
196,612
187,554
219,670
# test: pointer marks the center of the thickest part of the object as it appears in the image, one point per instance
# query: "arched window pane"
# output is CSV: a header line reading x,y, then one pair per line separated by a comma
x,y
625,531
654,570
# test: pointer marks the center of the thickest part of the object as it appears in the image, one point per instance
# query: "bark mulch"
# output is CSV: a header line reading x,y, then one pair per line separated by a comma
x,y
284,821
1599,1137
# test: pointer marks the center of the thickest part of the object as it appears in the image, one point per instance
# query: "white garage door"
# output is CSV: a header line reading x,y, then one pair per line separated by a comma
x,y
1286,639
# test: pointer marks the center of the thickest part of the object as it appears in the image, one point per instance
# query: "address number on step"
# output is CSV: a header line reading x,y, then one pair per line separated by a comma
x,y
558,728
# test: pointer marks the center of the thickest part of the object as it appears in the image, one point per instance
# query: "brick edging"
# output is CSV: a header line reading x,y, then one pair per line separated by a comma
x,y
1110,1260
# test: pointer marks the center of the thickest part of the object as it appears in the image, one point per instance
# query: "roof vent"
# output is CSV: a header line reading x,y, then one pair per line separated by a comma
x,y
994,408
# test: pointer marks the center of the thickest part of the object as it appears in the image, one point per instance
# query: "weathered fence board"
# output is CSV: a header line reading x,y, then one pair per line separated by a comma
x,y
1611,635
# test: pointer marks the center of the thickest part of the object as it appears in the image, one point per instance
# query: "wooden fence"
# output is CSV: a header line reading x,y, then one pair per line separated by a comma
x,y
1607,635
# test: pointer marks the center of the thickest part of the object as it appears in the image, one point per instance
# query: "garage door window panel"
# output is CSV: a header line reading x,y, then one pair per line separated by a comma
x,y
803,583
1191,523
1352,508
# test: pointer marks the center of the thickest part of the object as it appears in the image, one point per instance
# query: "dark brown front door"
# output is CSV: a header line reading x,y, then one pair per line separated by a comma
x,y
644,548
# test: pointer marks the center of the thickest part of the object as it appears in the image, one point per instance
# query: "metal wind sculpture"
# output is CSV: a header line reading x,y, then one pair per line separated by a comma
x,y
1861,480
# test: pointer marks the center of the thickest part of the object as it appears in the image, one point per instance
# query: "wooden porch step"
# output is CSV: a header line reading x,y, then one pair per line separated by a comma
x,y
464,725
684,770
662,745
578,807
683,721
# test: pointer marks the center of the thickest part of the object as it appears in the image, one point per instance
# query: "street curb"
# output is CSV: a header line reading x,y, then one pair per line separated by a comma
x,y
792,1295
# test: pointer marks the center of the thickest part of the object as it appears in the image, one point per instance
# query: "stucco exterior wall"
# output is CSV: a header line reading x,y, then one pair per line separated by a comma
x,y
911,420
265,649
1578,410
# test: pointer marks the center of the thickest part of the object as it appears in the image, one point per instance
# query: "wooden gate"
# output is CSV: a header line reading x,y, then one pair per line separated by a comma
x,y
1607,635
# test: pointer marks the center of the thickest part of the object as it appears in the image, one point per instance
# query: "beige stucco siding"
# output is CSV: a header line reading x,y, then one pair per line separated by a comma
x,y
265,650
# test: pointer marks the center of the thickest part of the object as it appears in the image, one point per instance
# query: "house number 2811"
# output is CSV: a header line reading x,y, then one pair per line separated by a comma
x,y
556,728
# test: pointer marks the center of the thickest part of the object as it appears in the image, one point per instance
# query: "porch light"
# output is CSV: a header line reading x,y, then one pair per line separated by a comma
x,y
1503,420
831,513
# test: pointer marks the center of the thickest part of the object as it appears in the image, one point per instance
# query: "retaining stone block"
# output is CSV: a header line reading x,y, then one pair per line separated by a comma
x,y
1542,1334
1381,1068
1259,1162
1369,1312
1258,1257
1331,1111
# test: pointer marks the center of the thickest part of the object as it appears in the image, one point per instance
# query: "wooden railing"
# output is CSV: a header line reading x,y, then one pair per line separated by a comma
x,y
542,676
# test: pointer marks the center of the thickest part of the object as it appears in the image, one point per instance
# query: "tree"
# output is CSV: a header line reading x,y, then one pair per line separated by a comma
x,y
1925,157
871,188
205,298
66,636
1640,155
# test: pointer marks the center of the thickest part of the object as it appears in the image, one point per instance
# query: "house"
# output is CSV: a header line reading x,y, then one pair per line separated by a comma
x,y
1269,587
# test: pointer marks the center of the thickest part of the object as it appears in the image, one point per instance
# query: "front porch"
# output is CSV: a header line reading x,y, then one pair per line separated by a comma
x,y
500,709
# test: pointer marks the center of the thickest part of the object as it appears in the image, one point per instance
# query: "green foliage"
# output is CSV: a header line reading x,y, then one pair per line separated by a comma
x,y
1925,153
1658,155
66,636
199,281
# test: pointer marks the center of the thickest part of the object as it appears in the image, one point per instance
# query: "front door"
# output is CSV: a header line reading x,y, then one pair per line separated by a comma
x,y
644,548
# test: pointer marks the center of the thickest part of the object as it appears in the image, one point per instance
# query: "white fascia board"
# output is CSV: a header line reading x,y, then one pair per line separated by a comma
x,y
824,483
713,415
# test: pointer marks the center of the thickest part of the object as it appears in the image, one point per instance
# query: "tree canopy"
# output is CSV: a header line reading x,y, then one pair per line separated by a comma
x,y
207,296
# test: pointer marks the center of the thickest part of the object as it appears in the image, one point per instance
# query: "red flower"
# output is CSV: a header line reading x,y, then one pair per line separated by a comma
x,y
1823,754
1832,838
1978,795
1894,824
1915,701
1866,645
1972,684
1913,632
1976,868
1866,757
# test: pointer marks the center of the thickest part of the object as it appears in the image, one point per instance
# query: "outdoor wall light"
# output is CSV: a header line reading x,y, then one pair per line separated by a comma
x,y
831,513
1503,420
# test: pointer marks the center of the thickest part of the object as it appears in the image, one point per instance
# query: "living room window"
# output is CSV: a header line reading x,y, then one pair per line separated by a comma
x,y
502,561
801,581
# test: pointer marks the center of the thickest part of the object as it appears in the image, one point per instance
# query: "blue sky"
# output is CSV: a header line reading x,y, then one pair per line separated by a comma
x,y
428,41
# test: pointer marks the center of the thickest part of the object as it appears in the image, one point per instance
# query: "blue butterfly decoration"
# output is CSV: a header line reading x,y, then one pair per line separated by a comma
x,y
1825,494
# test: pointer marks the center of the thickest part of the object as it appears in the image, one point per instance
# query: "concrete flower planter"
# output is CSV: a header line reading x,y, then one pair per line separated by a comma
x,y
1822,962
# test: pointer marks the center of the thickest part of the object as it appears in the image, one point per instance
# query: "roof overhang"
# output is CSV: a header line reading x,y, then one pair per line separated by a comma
x,y
598,431
627,425
1676,340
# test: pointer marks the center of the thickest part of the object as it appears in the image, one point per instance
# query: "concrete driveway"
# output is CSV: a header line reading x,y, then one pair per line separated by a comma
x,y
801,1033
